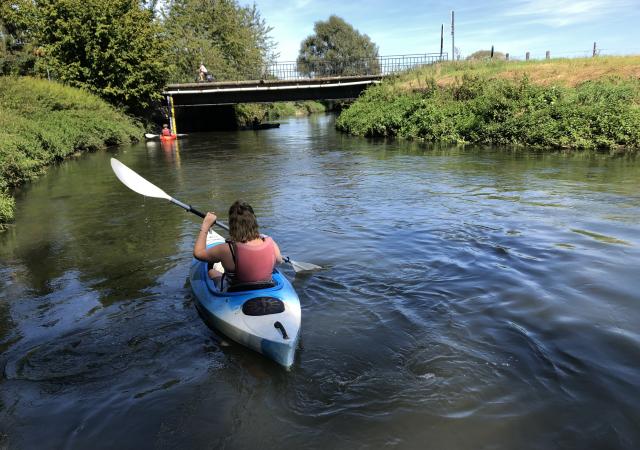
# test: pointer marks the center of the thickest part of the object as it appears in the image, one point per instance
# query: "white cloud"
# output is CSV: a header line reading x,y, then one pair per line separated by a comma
x,y
561,13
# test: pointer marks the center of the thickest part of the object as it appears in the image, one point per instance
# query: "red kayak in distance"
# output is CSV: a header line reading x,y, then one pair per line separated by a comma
x,y
172,137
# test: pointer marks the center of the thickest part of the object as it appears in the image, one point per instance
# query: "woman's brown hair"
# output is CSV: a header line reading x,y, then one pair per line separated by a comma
x,y
243,225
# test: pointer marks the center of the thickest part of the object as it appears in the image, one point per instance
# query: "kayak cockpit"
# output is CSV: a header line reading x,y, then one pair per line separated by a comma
x,y
232,289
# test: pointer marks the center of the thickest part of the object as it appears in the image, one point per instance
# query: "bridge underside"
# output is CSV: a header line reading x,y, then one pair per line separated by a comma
x,y
267,91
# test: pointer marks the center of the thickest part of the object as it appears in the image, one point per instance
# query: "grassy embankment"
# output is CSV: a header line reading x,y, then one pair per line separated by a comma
x,y
43,122
589,103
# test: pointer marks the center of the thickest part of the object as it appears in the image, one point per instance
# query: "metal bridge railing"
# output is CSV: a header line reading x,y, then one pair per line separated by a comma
x,y
382,65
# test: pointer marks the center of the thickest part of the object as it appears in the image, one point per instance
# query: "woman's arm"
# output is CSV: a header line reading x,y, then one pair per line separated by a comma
x,y
200,247
278,255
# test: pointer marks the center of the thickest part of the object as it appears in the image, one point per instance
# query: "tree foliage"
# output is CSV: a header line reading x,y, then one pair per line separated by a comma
x,y
126,50
17,46
336,48
233,41
113,49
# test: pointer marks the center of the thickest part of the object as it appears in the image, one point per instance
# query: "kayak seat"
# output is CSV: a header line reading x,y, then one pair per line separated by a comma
x,y
262,306
251,286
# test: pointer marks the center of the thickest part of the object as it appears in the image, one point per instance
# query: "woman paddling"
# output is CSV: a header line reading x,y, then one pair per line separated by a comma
x,y
248,256
165,130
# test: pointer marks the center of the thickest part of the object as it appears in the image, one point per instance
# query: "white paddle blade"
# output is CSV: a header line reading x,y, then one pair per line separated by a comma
x,y
150,136
135,182
299,266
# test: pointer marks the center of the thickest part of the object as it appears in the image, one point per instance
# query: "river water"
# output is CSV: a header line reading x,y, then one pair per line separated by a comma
x,y
470,298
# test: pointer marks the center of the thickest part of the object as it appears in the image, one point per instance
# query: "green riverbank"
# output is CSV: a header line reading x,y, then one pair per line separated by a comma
x,y
43,122
249,113
560,104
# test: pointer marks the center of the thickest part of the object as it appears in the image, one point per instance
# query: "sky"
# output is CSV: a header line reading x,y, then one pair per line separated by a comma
x,y
564,27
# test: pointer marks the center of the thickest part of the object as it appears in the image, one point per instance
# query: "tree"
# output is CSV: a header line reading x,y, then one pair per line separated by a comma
x,y
337,48
482,55
17,47
113,49
233,41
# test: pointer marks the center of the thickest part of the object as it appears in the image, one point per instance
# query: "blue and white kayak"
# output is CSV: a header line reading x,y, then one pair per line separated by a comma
x,y
266,319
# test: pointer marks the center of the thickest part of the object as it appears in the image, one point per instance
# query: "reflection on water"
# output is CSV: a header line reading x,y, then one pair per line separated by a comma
x,y
471,298
601,237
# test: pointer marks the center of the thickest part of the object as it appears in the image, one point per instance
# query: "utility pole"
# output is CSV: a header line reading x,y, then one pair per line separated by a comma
x,y
441,40
453,36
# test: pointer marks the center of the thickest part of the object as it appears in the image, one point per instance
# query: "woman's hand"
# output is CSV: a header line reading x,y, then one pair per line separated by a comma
x,y
208,221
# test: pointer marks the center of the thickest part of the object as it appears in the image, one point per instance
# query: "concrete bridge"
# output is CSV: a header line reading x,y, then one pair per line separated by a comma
x,y
266,91
285,81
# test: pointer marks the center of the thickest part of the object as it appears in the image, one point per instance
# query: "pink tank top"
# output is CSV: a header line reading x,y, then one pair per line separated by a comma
x,y
255,262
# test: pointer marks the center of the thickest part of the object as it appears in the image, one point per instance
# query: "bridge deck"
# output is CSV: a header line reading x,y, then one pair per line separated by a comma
x,y
225,85
266,91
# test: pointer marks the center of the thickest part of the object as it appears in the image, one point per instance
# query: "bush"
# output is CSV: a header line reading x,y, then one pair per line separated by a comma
x,y
602,114
248,113
44,122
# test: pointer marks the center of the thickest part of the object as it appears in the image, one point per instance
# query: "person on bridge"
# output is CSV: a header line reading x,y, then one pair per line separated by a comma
x,y
202,72
165,130
247,257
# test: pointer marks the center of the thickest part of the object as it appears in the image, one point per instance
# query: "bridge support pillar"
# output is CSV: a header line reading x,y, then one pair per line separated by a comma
x,y
172,115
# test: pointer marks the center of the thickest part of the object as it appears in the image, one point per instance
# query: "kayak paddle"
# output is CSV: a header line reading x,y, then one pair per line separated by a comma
x,y
153,136
138,184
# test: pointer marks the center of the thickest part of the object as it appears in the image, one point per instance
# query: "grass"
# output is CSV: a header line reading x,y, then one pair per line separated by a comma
x,y
44,122
570,104
562,71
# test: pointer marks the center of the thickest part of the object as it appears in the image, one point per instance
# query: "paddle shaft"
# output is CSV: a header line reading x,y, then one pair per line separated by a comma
x,y
191,209
143,187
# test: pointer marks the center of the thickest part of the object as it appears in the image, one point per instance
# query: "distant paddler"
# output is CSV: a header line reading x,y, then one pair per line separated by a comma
x,y
165,135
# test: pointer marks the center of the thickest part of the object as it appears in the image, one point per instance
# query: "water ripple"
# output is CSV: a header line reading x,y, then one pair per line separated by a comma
x,y
470,298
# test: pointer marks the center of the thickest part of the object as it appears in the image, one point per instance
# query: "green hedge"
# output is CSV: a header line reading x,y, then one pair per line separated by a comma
x,y
603,114
43,122
247,113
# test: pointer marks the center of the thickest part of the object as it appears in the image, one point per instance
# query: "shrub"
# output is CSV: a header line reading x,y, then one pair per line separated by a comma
x,y
602,114
44,122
